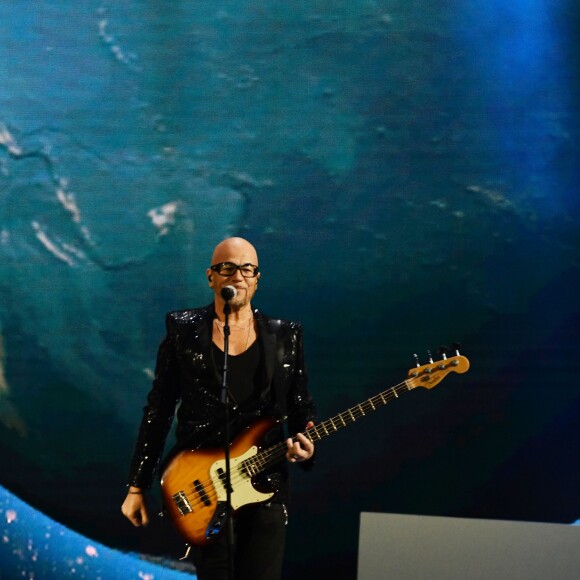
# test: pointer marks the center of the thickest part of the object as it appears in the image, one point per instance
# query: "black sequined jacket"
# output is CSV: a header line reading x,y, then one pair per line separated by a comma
x,y
187,382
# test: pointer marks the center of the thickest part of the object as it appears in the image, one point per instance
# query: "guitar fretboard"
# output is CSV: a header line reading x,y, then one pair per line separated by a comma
x,y
349,416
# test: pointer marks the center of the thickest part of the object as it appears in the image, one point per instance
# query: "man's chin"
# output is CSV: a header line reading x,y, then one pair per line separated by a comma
x,y
239,301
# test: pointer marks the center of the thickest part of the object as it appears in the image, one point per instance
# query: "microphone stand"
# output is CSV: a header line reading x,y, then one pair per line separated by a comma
x,y
225,400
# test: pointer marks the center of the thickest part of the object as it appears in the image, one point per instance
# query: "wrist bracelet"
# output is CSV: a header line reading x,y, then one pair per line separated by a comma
x,y
136,492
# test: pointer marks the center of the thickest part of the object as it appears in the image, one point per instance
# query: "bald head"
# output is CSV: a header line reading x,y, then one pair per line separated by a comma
x,y
229,247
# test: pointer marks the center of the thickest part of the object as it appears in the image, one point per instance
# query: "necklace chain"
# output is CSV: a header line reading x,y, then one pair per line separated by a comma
x,y
220,328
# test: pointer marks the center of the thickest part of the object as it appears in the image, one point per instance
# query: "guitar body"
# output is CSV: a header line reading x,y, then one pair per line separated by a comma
x,y
194,490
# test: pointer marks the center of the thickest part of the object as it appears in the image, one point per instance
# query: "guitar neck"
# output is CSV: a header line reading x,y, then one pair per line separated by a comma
x,y
263,460
351,415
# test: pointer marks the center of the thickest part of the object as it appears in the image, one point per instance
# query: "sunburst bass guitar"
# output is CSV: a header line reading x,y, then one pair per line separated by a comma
x,y
193,484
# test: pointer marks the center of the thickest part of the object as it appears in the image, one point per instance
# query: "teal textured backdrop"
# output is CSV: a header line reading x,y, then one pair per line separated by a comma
x,y
407,171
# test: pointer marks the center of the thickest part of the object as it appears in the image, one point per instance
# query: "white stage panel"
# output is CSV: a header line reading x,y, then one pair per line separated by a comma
x,y
403,547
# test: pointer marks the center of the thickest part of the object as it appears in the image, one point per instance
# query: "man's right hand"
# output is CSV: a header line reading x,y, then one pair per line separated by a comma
x,y
134,508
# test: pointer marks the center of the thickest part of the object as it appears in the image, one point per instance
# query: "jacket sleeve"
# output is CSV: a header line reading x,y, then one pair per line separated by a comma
x,y
158,414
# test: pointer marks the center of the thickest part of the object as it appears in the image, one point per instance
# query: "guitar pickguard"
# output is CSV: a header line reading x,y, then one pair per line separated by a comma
x,y
243,491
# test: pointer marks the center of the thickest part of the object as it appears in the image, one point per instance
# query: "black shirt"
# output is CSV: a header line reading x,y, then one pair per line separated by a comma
x,y
244,372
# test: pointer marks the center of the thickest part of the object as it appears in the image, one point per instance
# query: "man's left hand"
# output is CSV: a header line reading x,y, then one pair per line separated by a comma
x,y
301,449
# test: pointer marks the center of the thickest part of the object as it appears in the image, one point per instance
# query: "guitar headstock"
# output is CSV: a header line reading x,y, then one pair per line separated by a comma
x,y
432,374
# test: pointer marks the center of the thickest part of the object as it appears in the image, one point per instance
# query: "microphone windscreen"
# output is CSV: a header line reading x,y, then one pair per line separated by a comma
x,y
228,293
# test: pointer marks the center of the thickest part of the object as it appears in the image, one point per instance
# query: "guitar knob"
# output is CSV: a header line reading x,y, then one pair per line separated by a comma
x,y
443,352
430,357
417,363
456,346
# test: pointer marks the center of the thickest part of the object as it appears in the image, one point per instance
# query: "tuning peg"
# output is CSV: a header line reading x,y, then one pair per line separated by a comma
x,y
417,363
430,358
443,352
456,346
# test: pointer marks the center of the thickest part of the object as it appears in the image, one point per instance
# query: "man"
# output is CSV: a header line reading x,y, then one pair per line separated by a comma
x,y
266,377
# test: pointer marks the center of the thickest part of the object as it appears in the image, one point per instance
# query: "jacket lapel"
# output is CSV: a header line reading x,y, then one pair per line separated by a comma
x,y
204,339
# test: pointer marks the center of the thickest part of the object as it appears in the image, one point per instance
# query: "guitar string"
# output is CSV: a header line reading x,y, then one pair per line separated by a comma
x,y
267,457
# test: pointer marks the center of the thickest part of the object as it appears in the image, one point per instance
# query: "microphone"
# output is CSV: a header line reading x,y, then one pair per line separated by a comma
x,y
228,293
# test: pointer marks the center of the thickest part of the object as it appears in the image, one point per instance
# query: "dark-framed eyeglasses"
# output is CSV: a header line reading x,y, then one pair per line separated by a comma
x,y
229,269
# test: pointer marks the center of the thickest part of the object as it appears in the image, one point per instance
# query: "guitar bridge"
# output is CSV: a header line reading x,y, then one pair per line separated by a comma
x,y
182,503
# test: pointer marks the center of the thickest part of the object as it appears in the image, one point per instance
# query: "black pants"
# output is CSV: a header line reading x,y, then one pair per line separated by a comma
x,y
259,538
